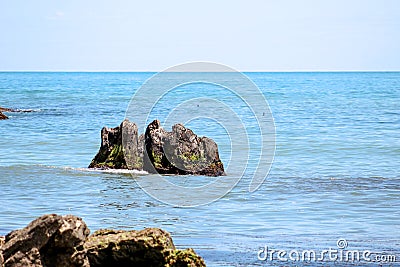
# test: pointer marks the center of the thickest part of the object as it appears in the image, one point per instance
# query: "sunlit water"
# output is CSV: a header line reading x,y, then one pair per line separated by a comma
x,y
335,173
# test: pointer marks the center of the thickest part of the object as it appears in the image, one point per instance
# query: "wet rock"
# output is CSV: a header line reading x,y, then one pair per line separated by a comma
x,y
50,240
2,116
111,154
6,109
158,151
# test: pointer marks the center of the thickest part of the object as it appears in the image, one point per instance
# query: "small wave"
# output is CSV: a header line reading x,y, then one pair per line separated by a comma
x,y
27,110
114,171
18,110
91,170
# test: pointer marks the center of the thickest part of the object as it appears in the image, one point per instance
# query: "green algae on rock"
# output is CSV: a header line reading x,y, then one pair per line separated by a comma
x,y
179,152
113,154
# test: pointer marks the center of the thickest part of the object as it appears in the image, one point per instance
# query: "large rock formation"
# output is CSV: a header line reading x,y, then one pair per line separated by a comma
x,y
54,240
158,151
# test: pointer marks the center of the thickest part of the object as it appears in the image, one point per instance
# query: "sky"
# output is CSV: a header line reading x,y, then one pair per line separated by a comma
x,y
252,35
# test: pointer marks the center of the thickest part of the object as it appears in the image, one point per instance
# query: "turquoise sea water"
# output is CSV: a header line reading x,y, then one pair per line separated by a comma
x,y
335,173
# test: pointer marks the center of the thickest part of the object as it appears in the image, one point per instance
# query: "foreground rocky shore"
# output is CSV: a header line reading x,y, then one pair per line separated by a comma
x,y
54,240
179,152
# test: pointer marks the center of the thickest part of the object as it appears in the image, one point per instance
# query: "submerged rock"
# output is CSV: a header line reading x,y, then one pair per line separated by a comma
x,y
158,151
54,240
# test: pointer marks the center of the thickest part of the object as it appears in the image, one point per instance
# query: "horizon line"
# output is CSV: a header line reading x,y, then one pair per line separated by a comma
x,y
154,71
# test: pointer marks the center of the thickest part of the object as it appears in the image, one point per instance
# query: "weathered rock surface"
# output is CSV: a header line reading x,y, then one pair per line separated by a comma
x,y
180,152
111,154
158,151
54,240
149,247
6,109
2,116
50,240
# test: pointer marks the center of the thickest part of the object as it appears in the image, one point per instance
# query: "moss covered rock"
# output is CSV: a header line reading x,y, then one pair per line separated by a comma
x,y
184,258
157,151
180,151
121,148
149,247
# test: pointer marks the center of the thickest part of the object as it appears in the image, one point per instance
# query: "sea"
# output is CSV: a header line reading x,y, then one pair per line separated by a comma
x,y
333,185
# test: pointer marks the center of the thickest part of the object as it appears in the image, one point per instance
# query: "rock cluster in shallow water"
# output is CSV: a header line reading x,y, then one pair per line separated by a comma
x,y
178,152
63,241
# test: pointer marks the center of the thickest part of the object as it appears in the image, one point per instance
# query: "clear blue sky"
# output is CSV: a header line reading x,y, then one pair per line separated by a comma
x,y
279,35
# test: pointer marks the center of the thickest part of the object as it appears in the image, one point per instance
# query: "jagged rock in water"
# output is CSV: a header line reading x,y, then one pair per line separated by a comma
x,y
6,109
2,116
111,154
53,240
158,151
180,152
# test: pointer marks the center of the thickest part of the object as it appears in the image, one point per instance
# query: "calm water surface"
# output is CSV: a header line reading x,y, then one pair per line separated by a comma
x,y
335,173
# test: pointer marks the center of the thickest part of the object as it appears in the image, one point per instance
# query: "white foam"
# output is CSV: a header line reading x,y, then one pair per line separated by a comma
x,y
114,171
